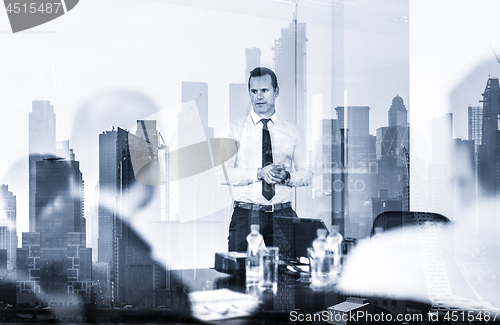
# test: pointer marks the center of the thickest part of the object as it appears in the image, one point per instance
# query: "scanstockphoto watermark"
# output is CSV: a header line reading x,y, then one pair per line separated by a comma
x,y
24,15
358,316
365,316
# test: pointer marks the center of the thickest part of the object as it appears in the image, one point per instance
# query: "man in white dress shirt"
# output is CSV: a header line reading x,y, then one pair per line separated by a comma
x,y
270,161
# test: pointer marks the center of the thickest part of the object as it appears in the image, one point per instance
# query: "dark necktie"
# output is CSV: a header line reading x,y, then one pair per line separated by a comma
x,y
267,158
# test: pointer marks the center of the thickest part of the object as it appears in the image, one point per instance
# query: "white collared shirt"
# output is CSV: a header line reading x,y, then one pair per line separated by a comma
x,y
289,148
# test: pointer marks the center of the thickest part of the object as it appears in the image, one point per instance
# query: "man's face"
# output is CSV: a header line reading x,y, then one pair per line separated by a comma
x,y
263,95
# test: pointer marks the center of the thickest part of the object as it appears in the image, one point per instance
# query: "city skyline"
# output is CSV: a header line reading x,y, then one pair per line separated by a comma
x,y
74,98
64,145
375,57
116,148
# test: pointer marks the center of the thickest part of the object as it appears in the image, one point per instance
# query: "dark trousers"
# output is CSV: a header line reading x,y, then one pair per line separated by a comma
x,y
240,226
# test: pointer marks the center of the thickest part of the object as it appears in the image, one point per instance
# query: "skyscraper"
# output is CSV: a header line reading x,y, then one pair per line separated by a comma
x,y
475,124
59,201
115,178
290,68
475,129
8,237
361,169
42,144
132,268
332,168
54,264
398,115
489,149
108,168
392,141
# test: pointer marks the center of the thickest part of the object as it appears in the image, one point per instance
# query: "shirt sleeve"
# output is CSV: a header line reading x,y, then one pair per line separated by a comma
x,y
301,174
235,172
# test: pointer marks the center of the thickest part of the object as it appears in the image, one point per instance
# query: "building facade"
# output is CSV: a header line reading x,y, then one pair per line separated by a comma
x,y
489,149
42,144
134,277
360,169
8,236
392,150
54,264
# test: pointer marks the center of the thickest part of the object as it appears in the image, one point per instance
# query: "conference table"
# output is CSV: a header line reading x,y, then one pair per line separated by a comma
x,y
220,298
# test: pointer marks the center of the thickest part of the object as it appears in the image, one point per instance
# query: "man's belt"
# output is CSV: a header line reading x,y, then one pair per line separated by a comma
x,y
262,207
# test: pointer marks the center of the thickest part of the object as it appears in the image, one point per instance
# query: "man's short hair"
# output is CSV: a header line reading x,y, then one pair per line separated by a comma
x,y
261,71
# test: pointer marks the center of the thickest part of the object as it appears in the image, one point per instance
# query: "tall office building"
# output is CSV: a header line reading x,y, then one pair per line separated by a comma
x,y
488,155
115,178
489,149
392,143
8,237
398,115
42,144
133,272
475,124
54,265
361,169
290,68
475,131
110,156
332,168
115,174
58,180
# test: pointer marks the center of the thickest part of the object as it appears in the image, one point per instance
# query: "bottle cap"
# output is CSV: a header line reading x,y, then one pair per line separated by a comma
x,y
320,232
254,228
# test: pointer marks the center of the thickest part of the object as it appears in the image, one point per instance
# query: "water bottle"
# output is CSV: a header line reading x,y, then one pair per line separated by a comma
x,y
334,241
320,261
254,270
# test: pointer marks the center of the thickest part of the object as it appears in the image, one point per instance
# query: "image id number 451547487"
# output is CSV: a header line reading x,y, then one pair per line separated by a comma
x,y
33,7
